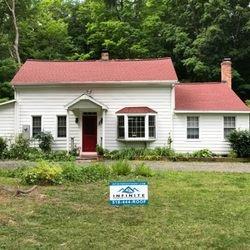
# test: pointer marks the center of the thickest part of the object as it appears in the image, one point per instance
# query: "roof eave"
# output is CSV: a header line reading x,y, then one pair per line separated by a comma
x,y
156,82
212,111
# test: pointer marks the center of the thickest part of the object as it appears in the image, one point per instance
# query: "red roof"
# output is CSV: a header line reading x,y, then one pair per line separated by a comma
x,y
134,110
207,97
77,72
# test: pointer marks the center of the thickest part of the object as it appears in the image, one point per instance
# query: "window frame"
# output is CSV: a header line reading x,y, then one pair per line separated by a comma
x,y
32,126
126,127
118,127
223,121
57,127
193,139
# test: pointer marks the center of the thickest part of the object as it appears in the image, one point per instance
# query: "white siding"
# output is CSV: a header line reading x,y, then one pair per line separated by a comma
x,y
7,121
50,102
211,132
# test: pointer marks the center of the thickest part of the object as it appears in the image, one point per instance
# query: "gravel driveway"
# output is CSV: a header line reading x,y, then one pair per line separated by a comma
x,y
237,167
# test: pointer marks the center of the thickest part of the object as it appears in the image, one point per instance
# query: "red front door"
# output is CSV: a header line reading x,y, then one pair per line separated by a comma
x,y
89,133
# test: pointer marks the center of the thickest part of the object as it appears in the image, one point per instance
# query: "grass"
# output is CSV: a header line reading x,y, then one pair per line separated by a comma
x,y
186,210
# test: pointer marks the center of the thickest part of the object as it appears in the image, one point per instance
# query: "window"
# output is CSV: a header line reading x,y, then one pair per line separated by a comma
x,y
136,126
36,125
192,127
120,127
61,126
229,125
151,126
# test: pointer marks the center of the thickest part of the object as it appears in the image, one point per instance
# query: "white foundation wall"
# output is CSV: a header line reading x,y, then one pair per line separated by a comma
x,y
7,118
50,101
211,134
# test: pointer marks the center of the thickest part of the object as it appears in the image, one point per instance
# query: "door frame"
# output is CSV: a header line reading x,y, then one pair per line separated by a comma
x,y
81,127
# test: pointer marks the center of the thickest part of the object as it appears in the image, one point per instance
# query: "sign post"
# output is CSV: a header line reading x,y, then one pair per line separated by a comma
x,y
128,193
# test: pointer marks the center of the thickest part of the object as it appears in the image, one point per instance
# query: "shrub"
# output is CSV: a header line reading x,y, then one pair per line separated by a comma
x,y
99,150
3,146
143,170
20,149
71,172
139,153
121,168
203,153
45,141
44,173
240,142
59,155
95,172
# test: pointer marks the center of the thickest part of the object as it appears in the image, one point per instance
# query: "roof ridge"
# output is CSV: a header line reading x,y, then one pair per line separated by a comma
x,y
99,60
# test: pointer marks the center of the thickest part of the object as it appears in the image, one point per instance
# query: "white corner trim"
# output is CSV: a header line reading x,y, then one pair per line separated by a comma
x,y
7,102
211,111
86,97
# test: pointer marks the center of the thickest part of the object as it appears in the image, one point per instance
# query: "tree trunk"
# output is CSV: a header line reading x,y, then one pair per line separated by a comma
x,y
16,42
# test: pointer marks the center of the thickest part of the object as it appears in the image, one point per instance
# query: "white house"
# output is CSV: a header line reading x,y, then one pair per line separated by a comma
x,y
121,103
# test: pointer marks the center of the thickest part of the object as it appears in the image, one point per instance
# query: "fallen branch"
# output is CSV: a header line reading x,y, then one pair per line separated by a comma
x,y
18,191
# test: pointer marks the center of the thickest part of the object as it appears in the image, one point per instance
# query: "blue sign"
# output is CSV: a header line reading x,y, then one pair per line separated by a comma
x,y
128,193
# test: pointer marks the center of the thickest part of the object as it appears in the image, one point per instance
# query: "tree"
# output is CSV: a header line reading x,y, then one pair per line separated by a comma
x,y
12,8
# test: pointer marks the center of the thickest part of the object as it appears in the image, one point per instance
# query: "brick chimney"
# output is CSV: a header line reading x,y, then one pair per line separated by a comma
x,y
226,72
105,55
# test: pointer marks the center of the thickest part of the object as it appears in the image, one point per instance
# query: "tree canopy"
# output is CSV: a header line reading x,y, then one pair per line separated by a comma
x,y
197,34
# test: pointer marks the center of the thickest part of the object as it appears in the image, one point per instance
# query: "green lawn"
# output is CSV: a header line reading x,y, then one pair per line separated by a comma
x,y
186,210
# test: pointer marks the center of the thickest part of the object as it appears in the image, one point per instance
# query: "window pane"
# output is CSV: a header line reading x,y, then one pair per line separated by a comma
x,y
151,126
120,127
229,125
61,126
136,126
36,125
193,127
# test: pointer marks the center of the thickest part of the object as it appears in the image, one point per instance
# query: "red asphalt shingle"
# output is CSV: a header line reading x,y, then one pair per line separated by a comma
x,y
207,97
134,110
76,72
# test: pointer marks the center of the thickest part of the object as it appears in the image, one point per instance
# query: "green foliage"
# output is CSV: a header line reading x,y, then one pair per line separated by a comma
x,y
99,150
143,170
95,172
45,141
121,168
44,173
203,153
6,91
20,149
196,34
139,154
240,142
3,146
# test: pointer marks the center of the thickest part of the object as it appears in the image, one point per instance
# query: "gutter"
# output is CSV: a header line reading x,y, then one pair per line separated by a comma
x,y
7,102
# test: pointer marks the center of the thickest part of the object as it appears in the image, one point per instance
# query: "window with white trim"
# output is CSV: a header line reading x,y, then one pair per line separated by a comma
x,y
136,127
192,127
61,126
229,125
36,125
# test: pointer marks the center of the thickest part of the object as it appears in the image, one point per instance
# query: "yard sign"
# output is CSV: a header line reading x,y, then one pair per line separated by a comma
x,y
128,193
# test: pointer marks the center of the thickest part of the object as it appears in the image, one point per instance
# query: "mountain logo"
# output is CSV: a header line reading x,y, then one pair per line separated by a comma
x,y
128,190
